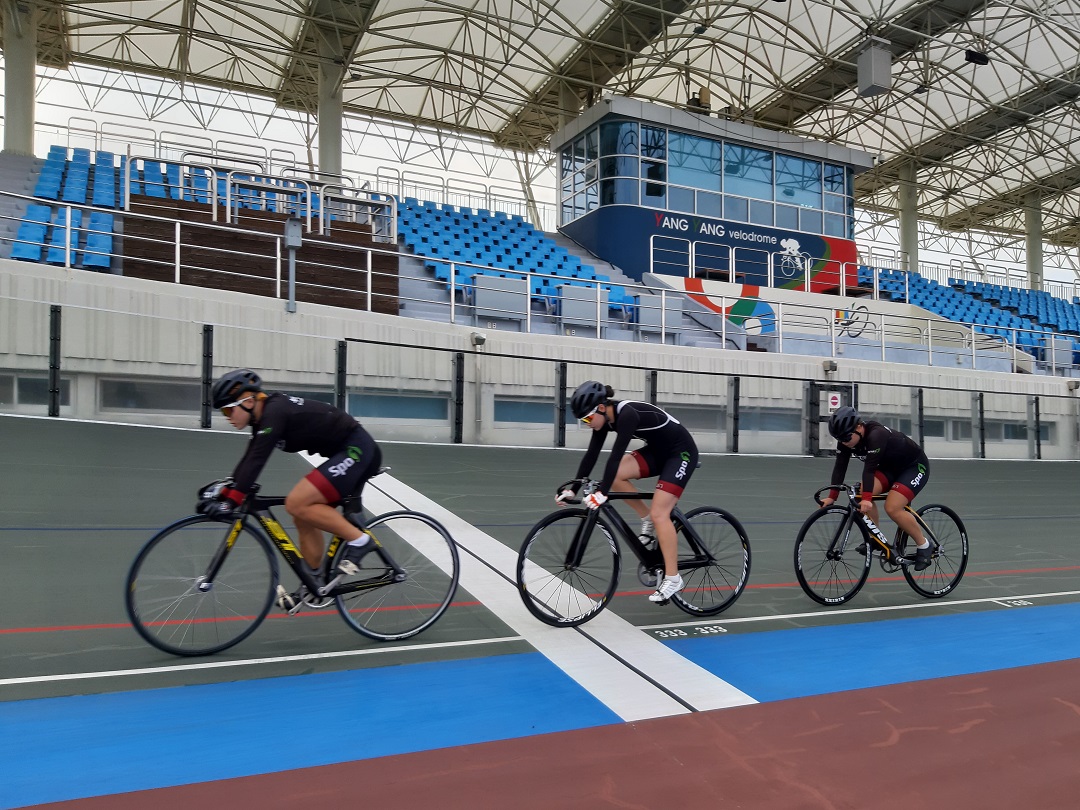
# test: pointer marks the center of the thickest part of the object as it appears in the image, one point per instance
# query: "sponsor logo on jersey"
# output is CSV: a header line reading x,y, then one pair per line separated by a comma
x,y
341,468
681,472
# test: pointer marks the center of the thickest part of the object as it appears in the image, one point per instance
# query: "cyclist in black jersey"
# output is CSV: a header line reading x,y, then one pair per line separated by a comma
x,y
295,424
669,452
892,461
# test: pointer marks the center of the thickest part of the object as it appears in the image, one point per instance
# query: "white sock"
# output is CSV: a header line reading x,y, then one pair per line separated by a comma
x,y
926,544
359,541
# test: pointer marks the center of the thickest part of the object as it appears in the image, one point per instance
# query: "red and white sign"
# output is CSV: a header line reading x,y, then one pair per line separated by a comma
x,y
834,402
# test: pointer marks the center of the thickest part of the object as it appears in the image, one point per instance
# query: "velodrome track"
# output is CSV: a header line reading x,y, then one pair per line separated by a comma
x,y
776,703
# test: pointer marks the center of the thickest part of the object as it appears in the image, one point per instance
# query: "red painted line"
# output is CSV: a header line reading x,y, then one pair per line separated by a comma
x,y
127,625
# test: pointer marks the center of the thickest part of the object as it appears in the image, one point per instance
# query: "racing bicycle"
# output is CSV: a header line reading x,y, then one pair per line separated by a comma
x,y
568,566
837,545
203,584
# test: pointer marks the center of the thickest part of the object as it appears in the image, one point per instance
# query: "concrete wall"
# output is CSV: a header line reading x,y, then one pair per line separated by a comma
x,y
120,328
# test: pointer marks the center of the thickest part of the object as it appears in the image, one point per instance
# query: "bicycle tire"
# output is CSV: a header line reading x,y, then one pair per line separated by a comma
x,y
555,594
825,578
164,600
391,610
712,588
949,563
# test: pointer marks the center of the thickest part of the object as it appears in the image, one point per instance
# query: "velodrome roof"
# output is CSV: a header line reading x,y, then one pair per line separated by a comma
x,y
983,137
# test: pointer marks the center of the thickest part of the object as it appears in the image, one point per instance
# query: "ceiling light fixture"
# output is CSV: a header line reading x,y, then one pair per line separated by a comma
x,y
976,57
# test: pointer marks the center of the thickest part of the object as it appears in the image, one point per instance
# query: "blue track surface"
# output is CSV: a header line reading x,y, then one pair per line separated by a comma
x,y
75,747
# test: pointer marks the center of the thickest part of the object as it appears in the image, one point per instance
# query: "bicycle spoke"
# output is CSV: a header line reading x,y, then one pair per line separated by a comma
x,y
554,593
715,563
169,610
387,609
828,567
949,562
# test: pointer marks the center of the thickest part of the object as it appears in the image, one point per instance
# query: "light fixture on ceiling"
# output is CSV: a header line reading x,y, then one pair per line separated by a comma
x,y
700,29
976,57
920,89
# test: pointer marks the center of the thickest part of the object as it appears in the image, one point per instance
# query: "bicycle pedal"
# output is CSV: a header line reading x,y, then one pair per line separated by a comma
x,y
348,568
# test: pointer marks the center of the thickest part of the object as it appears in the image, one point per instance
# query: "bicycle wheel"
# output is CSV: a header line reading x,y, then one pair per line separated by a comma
x,y
832,577
389,607
949,563
714,573
172,606
560,592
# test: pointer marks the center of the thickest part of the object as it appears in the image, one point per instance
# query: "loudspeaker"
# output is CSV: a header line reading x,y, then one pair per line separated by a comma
x,y
875,67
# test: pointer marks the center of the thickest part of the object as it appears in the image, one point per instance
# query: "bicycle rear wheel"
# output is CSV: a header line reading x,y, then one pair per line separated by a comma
x,y
388,607
827,563
714,572
949,563
561,591
173,606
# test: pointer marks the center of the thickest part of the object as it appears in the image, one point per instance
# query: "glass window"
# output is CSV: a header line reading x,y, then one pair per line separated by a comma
x,y
592,198
654,195
590,174
579,205
835,225
619,138
681,199
748,172
934,429
735,208
655,174
7,390
619,167
710,205
592,144
798,181
35,391
761,212
809,221
836,204
787,217
654,143
622,191
579,153
834,179
517,410
959,431
567,170
141,395
399,406
694,162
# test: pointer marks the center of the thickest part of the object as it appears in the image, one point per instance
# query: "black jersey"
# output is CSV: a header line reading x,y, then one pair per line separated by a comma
x,y
292,424
881,448
661,431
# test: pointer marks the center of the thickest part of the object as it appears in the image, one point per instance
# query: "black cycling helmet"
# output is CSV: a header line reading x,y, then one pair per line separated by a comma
x,y
232,384
843,421
587,396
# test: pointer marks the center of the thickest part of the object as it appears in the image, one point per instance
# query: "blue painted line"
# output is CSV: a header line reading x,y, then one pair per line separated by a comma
x,y
93,745
820,660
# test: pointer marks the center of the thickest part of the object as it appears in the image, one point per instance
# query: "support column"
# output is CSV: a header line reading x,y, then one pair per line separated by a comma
x,y
909,217
20,77
569,105
331,74
1033,238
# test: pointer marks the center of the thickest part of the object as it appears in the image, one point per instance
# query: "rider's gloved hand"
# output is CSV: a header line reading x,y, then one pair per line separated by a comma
x,y
594,500
218,509
567,492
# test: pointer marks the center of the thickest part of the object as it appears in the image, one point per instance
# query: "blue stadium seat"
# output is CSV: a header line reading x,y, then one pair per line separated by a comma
x,y
58,238
99,241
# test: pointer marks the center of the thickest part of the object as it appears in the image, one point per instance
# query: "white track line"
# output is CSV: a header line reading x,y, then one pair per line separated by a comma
x,y
581,655
882,609
283,659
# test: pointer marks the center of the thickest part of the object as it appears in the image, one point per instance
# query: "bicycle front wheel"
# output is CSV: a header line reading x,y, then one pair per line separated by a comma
x,y
566,577
406,584
829,566
950,560
715,570
176,608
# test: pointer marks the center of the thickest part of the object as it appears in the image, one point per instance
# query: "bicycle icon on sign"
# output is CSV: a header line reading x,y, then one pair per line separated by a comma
x,y
852,322
792,261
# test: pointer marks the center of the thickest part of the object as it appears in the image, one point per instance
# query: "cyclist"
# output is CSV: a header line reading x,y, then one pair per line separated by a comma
x,y
294,424
893,462
669,452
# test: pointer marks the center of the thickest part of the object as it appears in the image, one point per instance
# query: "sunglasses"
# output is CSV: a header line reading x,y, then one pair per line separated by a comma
x,y
587,418
227,410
